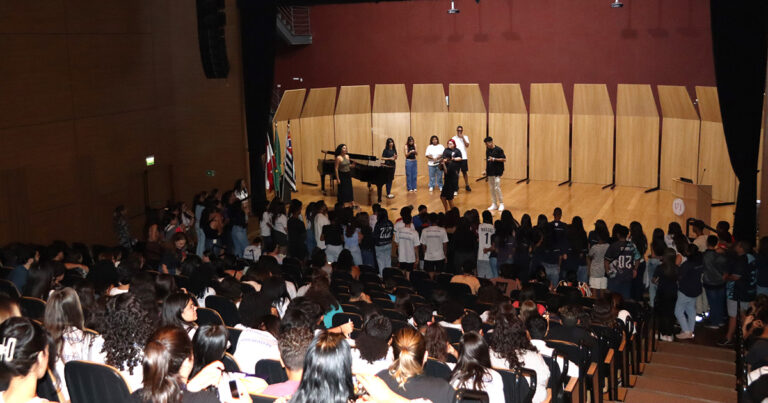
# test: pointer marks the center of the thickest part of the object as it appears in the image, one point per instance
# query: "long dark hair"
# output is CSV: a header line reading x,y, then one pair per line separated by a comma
x,y
63,311
473,363
327,376
338,149
209,345
172,309
125,329
638,237
436,342
164,354
386,144
31,339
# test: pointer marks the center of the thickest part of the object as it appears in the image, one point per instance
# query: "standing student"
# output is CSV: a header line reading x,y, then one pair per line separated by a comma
x,y
407,242
383,232
389,156
462,142
621,261
689,288
320,221
410,164
485,232
452,158
434,153
595,261
344,176
434,240
494,168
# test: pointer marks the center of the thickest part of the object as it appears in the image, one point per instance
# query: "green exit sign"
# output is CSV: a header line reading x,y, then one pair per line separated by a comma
x,y
210,172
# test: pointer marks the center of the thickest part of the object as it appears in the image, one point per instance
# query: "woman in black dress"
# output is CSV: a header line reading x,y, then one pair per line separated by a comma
x,y
389,156
450,165
343,176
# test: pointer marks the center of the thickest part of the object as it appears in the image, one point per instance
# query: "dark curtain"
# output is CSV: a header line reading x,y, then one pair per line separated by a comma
x,y
258,32
739,43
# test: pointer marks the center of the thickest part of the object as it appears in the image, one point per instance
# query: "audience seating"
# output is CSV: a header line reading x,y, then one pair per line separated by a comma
x,y
351,308
341,318
181,281
91,382
9,288
233,337
33,308
437,369
383,303
394,314
398,324
225,307
262,399
230,363
516,386
470,396
207,316
271,370
454,335
5,272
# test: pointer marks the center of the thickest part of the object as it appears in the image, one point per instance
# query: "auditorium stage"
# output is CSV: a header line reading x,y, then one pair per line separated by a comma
x,y
591,202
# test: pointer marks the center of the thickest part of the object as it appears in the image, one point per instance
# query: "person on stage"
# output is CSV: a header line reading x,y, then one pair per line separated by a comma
x,y
410,164
494,168
434,153
389,155
343,176
462,143
451,162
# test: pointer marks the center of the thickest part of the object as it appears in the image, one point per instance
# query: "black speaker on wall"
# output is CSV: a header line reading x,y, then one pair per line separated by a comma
x,y
211,21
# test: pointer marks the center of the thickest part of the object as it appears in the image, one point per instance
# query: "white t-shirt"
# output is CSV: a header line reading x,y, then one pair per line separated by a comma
x,y
541,345
460,145
492,384
252,252
399,224
434,151
434,237
484,233
254,345
407,239
359,365
532,360
320,221
266,221
281,224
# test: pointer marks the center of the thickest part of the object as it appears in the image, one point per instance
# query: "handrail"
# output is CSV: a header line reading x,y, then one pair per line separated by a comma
x,y
296,18
741,366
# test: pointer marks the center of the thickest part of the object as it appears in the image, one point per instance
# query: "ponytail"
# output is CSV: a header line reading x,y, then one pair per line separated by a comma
x,y
409,348
163,356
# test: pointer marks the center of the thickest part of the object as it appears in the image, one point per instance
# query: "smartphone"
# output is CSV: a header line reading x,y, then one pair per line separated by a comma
x,y
229,390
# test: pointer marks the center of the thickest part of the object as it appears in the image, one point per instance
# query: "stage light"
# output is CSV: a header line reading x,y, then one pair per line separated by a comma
x,y
617,4
453,9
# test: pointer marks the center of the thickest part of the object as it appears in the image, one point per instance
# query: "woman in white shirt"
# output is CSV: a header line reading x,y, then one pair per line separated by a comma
x,y
473,369
511,348
434,153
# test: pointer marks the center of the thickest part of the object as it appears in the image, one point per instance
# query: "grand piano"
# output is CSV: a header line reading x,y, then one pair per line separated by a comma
x,y
365,168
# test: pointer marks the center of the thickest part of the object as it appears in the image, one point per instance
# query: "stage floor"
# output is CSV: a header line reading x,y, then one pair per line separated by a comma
x,y
620,205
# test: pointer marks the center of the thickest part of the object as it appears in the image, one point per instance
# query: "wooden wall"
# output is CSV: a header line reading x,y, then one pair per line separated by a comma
x,y
592,140
508,125
637,136
549,132
88,90
391,118
679,136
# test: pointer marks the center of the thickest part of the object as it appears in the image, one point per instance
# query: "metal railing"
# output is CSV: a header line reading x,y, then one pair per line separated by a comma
x,y
296,19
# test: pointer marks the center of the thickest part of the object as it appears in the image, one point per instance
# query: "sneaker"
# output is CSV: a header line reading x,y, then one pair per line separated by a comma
x,y
431,189
501,207
684,336
455,193
390,196
493,207
666,338
469,189
725,343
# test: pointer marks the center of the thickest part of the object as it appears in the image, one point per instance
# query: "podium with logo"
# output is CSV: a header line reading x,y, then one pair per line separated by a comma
x,y
691,201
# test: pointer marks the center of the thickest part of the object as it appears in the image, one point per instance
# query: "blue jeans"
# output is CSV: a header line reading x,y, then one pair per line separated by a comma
x,y
384,257
410,174
685,312
357,255
369,257
484,269
239,240
716,299
553,272
310,242
200,242
582,275
435,177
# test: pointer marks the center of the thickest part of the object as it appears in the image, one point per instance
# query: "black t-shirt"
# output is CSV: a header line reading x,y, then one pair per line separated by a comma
x,y
757,356
383,232
334,234
387,153
449,154
410,156
494,168
421,387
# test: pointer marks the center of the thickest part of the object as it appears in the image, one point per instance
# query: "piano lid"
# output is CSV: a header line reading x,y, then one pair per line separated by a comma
x,y
362,157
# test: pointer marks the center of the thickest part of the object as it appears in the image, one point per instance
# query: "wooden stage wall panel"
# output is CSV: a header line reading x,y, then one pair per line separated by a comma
x,y
508,125
429,116
353,119
679,135
714,164
392,119
468,110
549,132
289,110
592,140
637,136
317,130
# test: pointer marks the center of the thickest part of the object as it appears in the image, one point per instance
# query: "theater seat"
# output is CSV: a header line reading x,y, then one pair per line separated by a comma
x,y
271,371
92,382
470,396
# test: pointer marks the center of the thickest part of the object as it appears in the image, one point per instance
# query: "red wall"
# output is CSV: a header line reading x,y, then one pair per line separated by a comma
x,y
497,41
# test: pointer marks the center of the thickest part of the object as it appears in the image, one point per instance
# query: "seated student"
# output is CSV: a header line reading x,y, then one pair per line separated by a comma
x,y
572,330
468,277
471,322
179,310
372,353
511,348
508,281
253,251
327,375
9,308
293,344
357,296
422,316
452,312
208,345
438,347
757,356
255,342
537,328
406,374
528,293
26,362
473,369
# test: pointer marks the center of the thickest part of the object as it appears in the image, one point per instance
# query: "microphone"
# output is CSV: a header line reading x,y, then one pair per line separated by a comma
x,y
701,177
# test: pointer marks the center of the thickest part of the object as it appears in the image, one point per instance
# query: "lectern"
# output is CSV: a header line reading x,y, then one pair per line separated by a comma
x,y
696,201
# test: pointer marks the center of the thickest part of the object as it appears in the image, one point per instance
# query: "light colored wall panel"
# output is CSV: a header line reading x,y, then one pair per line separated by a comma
x,y
508,125
592,142
429,114
353,119
391,118
317,130
289,110
549,133
637,136
679,135
468,110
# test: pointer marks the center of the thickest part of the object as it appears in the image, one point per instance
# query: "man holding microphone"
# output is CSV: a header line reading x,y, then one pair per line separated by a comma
x,y
494,168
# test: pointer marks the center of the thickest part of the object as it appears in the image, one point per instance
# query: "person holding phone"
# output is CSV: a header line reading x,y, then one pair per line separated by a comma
x,y
410,164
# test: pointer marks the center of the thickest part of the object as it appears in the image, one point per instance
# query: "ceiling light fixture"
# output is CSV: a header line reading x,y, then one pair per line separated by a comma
x,y
453,9
617,4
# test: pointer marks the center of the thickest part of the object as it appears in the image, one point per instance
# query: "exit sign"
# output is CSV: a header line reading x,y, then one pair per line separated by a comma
x,y
210,172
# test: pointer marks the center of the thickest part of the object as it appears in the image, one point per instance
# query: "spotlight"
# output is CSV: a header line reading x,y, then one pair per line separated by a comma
x,y
617,4
453,9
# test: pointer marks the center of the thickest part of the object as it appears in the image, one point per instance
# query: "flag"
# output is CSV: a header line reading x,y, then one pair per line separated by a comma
x,y
288,173
277,172
268,170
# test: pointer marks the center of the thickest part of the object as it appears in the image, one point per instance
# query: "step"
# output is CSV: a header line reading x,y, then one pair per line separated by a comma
x,y
695,350
638,395
695,362
690,375
688,389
